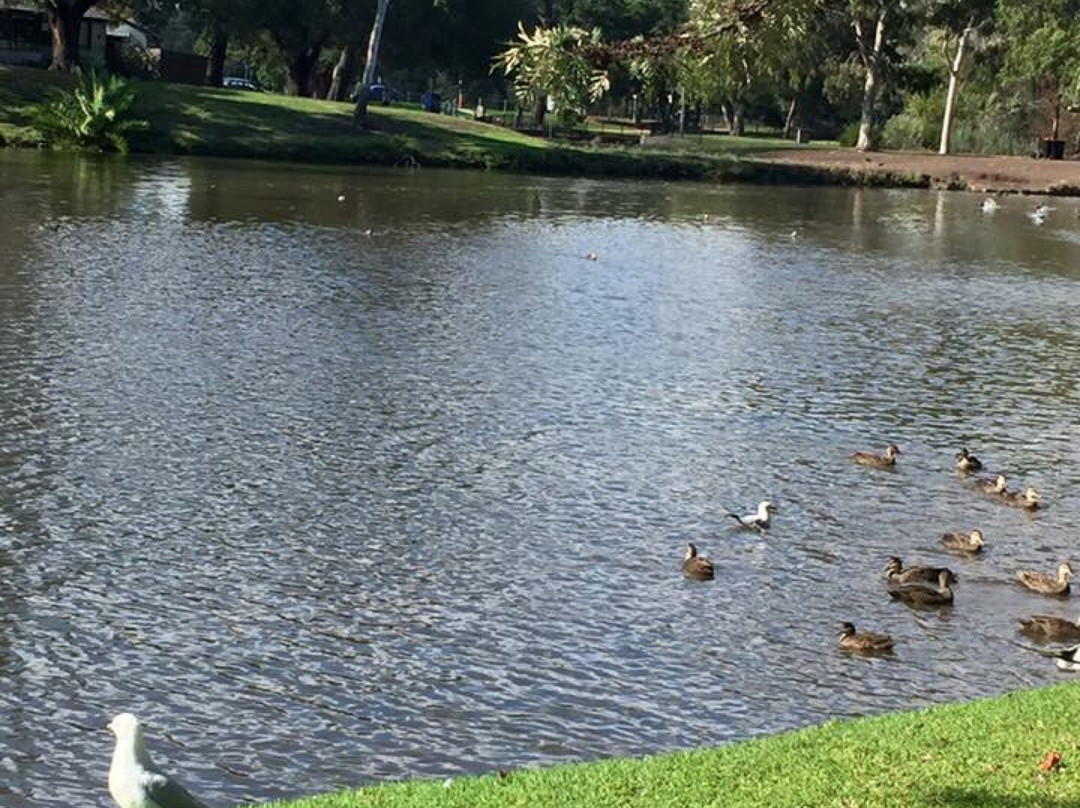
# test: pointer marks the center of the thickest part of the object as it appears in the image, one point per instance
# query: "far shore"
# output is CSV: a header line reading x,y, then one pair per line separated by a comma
x,y
219,122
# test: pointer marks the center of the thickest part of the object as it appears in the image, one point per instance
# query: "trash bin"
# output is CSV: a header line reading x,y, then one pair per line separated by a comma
x,y
1050,149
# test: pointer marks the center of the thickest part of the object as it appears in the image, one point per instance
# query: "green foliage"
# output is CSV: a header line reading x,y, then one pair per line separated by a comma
x,y
848,135
1044,43
551,62
736,54
918,126
92,116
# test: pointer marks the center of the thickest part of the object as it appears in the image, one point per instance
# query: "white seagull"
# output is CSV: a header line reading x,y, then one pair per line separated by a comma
x,y
1038,216
989,205
134,782
758,520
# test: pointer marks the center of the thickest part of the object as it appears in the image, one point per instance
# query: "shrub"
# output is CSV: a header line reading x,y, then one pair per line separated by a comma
x,y
849,135
92,116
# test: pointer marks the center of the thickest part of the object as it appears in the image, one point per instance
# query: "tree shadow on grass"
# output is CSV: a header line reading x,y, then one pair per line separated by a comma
x,y
985,798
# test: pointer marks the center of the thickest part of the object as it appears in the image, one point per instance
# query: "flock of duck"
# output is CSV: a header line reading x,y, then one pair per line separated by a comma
x,y
931,587
1038,215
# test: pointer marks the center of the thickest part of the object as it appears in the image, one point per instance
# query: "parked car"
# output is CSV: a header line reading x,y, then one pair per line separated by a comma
x,y
377,93
237,83
431,102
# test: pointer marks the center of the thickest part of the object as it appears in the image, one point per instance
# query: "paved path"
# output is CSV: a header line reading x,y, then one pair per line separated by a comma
x,y
987,174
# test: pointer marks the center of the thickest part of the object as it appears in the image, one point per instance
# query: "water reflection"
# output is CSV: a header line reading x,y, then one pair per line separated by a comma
x,y
405,478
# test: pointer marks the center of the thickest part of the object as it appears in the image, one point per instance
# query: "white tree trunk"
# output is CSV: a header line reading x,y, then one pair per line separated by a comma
x,y
950,96
374,42
872,60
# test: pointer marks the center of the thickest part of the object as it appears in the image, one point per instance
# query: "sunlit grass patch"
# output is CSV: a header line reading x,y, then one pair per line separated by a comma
x,y
984,753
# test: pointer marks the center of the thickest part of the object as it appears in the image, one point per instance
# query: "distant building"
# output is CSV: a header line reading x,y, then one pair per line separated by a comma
x,y
25,38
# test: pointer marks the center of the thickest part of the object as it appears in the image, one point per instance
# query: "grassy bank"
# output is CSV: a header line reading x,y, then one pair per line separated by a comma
x,y
983,754
234,123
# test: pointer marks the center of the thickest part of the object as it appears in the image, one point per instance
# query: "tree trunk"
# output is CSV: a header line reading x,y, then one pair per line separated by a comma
x,y
872,59
215,61
792,112
301,65
539,111
950,96
65,25
343,72
727,118
738,127
374,41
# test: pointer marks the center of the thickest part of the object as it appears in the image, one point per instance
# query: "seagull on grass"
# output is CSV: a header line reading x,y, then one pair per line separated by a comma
x,y
134,781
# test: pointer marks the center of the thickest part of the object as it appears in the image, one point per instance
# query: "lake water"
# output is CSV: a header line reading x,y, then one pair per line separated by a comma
x,y
333,491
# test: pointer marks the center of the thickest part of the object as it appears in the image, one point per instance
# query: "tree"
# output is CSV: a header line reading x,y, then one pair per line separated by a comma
x,y
551,62
959,21
751,51
1044,48
869,19
374,41
300,29
65,22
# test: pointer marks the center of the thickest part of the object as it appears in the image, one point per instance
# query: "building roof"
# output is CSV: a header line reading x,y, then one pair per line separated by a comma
x,y
93,13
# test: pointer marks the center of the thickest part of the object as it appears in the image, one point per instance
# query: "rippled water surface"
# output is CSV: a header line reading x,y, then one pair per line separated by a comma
x,y
331,491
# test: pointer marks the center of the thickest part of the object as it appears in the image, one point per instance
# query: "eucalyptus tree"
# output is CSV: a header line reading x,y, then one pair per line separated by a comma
x,y
1044,48
65,22
870,20
959,21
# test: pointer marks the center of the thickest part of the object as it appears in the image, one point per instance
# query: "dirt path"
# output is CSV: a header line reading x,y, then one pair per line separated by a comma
x,y
986,174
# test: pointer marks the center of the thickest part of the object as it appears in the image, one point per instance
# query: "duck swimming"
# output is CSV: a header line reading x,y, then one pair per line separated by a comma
x,y
966,462
864,642
888,460
899,575
922,595
1028,498
695,566
1047,584
758,520
1051,628
969,543
991,485
1067,659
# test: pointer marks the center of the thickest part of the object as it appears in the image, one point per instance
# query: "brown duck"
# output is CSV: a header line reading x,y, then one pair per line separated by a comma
x,y
885,461
916,574
968,543
695,566
1048,627
1027,499
1047,584
864,642
991,485
923,595
966,462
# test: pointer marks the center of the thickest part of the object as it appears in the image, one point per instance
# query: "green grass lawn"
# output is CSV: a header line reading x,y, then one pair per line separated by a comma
x,y
234,123
982,754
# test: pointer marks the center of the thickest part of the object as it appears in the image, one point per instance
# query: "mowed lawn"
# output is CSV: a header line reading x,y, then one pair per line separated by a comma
x,y
983,754
234,123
